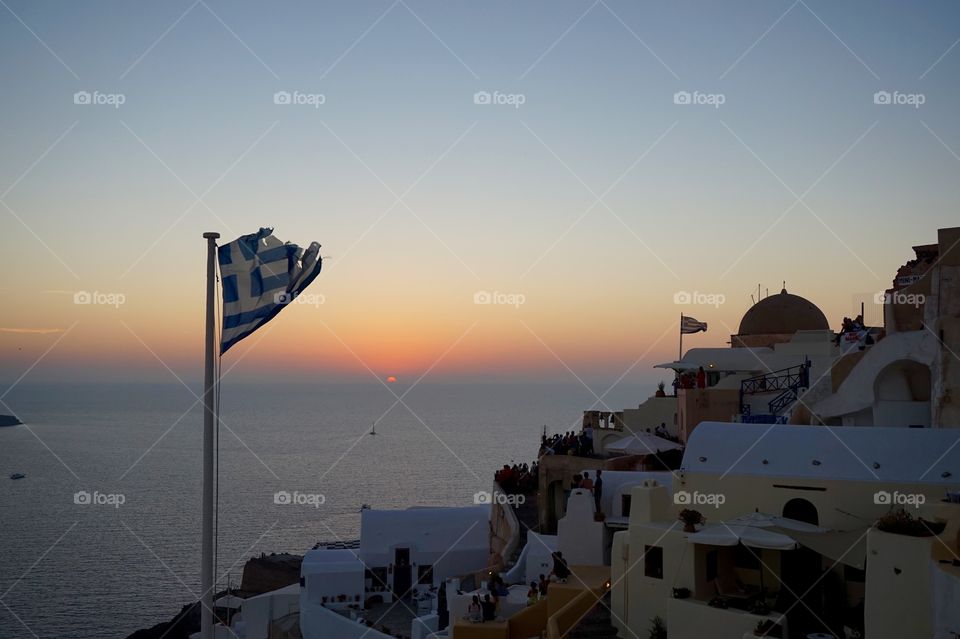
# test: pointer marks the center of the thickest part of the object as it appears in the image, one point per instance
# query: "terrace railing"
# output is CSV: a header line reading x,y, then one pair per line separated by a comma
x,y
788,381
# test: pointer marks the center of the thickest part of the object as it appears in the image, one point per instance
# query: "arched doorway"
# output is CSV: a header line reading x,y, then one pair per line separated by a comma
x,y
801,510
800,572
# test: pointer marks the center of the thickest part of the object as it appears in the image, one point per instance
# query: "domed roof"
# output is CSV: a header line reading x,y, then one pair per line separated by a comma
x,y
783,314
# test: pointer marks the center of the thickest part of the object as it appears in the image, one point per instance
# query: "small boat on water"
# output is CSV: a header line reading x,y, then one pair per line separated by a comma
x,y
17,476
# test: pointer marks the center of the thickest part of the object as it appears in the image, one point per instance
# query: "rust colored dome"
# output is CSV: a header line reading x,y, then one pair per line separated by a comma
x,y
783,314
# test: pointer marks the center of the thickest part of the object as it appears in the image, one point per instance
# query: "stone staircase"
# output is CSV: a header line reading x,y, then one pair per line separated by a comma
x,y
597,624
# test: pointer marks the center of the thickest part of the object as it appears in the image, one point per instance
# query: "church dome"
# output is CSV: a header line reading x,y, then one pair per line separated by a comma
x,y
783,314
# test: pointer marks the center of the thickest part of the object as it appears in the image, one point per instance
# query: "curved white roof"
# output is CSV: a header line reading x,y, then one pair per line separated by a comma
x,y
864,453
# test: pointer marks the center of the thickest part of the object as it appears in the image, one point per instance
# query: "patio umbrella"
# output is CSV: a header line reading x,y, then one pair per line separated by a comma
x,y
642,444
731,534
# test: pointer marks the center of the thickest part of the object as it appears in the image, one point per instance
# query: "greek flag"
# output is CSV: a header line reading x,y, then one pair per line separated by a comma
x,y
691,325
260,275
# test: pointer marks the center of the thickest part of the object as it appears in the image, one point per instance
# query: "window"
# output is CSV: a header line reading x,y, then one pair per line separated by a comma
x,y
425,575
653,562
624,505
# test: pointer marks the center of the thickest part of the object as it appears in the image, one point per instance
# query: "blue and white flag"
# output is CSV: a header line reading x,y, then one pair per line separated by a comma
x,y
260,275
691,325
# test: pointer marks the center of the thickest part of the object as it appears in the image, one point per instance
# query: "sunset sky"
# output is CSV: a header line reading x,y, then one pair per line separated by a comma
x,y
586,207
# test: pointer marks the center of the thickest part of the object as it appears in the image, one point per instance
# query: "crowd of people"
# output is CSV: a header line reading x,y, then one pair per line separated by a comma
x,y
487,607
569,443
689,379
519,479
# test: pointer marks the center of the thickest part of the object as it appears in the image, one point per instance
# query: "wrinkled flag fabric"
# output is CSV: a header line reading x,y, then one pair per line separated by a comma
x,y
690,325
260,276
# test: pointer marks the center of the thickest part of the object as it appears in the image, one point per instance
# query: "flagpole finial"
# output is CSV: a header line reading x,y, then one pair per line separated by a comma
x,y
211,235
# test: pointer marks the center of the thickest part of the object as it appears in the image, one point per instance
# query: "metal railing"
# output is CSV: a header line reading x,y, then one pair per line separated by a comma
x,y
786,380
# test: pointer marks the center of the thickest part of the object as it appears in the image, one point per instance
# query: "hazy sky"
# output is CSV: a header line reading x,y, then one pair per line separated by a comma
x,y
582,190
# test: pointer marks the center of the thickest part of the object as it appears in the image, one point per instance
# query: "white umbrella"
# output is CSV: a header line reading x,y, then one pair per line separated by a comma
x,y
733,534
228,601
642,444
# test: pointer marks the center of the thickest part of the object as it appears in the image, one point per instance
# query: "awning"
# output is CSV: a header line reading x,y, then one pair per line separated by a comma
x,y
842,547
642,444
679,366
766,520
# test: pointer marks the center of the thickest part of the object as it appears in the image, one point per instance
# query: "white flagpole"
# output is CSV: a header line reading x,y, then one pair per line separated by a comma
x,y
681,338
206,560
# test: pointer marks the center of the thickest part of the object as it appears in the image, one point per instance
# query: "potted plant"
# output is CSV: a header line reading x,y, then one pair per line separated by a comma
x,y
658,630
763,627
690,519
660,391
900,522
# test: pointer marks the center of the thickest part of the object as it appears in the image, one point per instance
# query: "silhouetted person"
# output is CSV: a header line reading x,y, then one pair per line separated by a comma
x,y
560,569
489,608
598,489
586,483
475,610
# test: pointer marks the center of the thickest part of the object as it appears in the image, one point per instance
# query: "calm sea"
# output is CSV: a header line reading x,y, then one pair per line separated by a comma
x,y
106,569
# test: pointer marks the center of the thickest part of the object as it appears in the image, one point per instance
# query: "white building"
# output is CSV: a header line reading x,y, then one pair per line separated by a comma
x,y
401,552
823,564
404,548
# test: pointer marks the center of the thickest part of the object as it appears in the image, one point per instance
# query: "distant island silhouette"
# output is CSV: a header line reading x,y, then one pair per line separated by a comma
x,y
9,420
